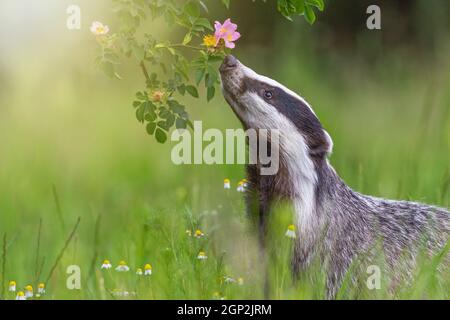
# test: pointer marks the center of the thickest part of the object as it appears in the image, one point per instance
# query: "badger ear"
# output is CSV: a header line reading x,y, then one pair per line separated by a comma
x,y
324,148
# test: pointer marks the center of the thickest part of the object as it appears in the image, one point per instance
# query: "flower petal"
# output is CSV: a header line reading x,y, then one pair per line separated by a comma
x,y
235,36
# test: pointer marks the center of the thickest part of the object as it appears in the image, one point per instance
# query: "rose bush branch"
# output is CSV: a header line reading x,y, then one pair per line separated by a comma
x,y
170,69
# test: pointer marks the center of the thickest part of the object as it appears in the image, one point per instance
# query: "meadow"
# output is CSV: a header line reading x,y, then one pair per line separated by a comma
x,y
71,148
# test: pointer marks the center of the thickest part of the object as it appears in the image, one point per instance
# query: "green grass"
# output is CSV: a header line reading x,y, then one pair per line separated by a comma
x,y
70,147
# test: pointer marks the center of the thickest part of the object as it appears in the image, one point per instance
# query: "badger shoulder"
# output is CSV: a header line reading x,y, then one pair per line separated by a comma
x,y
407,225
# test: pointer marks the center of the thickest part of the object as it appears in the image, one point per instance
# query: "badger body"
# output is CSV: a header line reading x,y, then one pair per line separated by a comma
x,y
335,224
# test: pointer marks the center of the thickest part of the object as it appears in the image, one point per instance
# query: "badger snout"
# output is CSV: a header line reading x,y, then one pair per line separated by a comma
x,y
229,63
232,76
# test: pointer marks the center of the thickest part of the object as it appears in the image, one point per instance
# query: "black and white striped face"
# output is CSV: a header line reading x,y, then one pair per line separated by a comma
x,y
262,103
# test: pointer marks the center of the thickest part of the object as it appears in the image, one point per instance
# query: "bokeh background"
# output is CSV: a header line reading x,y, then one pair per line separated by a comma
x,y
70,145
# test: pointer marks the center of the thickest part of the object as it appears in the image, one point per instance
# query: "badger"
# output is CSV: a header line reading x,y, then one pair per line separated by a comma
x,y
336,225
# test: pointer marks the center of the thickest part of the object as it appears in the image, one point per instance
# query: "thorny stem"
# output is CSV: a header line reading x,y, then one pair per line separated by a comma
x,y
144,70
185,46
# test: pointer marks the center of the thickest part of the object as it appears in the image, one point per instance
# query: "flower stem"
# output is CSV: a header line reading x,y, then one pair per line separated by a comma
x,y
185,46
144,71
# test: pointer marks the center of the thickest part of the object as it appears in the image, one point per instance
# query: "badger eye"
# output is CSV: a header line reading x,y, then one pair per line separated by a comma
x,y
268,94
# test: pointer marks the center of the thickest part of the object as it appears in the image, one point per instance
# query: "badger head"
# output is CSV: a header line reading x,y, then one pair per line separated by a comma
x,y
262,103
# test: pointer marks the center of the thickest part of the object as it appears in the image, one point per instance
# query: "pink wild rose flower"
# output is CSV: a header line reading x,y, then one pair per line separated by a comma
x,y
227,32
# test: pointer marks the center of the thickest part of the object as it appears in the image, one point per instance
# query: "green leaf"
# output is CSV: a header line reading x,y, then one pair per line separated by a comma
x,y
140,96
160,135
136,104
181,123
226,3
192,91
319,4
211,78
187,38
211,91
151,126
192,9
140,112
199,74
204,23
181,89
309,15
108,68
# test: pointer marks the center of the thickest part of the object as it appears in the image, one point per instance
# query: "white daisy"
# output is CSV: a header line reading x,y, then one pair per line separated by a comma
x,y
106,264
148,269
28,291
122,267
202,255
12,286
21,296
290,233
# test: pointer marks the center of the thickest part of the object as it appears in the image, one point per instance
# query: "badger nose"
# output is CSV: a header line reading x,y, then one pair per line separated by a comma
x,y
230,62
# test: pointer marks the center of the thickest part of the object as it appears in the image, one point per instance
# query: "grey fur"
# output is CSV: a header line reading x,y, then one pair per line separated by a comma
x,y
344,226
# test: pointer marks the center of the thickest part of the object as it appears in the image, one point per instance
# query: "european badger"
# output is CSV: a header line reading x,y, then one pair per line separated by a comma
x,y
335,223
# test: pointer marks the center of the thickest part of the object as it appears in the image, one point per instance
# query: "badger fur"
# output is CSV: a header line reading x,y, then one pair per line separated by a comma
x,y
335,224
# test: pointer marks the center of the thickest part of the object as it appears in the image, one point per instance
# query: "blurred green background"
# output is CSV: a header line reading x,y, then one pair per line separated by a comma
x,y
70,145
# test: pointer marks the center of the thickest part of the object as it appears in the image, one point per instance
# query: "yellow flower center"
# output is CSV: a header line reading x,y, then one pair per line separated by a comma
x,y
209,41
106,262
122,263
291,227
12,283
148,267
41,286
21,294
29,288
226,181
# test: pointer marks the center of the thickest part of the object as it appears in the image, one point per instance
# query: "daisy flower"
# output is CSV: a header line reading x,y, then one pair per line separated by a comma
x,y
227,184
41,288
227,279
139,272
189,233
202,256
148,269
99,29
290,233
12,286
122,267
106,264
21,296
240,187
28,291
240,281
199,234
